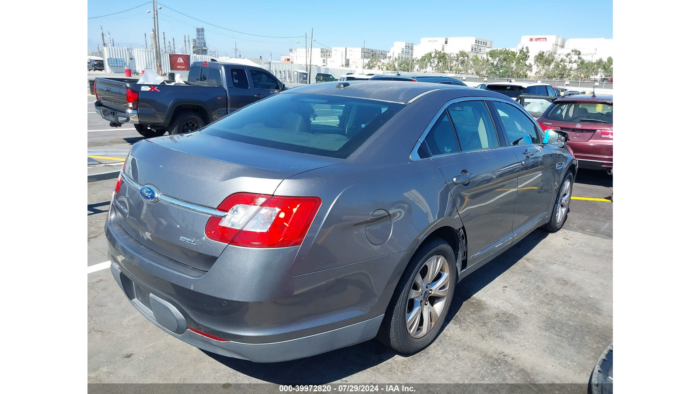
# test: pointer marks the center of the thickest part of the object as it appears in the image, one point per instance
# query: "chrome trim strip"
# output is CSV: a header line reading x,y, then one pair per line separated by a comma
x,y
421,95
178,203
596,161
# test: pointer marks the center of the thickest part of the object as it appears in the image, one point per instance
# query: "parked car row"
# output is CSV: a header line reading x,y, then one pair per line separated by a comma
x,y
324,215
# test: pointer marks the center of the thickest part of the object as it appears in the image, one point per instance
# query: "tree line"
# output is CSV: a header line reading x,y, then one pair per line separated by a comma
x,y
501,63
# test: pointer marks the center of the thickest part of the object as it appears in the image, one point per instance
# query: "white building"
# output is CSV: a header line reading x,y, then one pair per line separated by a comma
x,y
357,57
471,45
338,57
428,45
319,56
452,45
591,48
401,50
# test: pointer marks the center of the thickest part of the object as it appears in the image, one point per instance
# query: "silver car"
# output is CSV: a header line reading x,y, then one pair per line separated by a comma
x,y
330,214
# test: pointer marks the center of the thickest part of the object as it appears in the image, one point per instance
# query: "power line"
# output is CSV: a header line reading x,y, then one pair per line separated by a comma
x,y
120,12
169,18
325,46
211,24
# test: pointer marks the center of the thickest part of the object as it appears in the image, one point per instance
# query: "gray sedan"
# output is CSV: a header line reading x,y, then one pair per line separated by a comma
x,y
330,214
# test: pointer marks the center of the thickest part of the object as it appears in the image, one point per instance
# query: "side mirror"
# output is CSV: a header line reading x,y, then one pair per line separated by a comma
x,y
555,137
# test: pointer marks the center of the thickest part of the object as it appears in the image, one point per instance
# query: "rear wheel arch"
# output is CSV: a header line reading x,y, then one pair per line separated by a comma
x,y
452,237
198,109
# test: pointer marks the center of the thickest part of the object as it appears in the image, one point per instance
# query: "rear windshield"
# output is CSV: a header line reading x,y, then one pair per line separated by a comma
x,y
321,125
508,90
581,112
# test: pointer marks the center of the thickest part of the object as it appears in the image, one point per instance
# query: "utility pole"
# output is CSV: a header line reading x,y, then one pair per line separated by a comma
x,y
184,45
306,57
145,41
189,45
109,39
165,43
169,48
311,49
235,49
156,33
174,50
103,37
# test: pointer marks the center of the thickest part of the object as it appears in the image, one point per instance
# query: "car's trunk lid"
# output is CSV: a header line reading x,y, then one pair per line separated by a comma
x,y
192,185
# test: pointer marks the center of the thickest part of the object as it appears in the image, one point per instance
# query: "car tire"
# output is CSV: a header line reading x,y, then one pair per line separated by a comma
x,y
560,211
186,122
148,133
406,310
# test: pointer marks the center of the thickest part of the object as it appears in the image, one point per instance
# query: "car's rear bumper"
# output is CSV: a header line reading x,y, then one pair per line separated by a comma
x,y
167,317
114,116
251,301
594,155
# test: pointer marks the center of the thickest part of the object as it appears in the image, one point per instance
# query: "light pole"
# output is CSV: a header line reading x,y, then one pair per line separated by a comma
x,y
159,68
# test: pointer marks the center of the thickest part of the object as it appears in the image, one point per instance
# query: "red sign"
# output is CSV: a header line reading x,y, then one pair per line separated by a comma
x,y
542,39
179,62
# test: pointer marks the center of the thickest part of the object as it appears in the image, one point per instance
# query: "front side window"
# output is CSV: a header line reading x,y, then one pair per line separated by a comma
x,y
520,130
473,124
315,124
238,78
263,80
581,112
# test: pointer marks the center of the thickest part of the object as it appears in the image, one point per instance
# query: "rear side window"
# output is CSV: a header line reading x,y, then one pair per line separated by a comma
x,y
535,106
508,90
213,77
263,80
520,130
238,78
315,124
441,138
536,90
581,112
193,76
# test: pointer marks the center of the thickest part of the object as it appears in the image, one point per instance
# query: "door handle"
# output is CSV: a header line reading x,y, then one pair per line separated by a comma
x,y
258,96
462,178
530,151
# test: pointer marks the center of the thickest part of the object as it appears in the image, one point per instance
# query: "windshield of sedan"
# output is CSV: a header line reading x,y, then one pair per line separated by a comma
x,y
581,112
321,125
508,90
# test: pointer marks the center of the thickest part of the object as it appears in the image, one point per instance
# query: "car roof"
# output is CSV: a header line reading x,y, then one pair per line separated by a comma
x,y
588,98
522,84
392,91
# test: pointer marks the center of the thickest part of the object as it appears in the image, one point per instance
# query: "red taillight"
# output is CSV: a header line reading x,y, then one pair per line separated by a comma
x,y
606,134
214,337
119,180
415,80
544,127
205,64
132,99
263,221
94,87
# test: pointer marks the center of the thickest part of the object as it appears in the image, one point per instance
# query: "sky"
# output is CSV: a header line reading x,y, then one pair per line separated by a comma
x,y
377,24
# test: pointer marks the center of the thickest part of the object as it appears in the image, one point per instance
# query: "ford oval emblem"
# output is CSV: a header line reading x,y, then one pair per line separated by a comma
x,y
150,193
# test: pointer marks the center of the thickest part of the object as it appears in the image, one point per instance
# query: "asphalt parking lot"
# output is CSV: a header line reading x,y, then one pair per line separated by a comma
x,y
540,313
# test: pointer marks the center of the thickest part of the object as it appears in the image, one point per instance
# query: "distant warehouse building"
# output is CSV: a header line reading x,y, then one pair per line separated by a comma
x,y
452,45
319,56
401,51
591,48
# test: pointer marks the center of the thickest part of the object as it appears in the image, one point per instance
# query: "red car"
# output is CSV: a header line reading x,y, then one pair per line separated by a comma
x,y
589,122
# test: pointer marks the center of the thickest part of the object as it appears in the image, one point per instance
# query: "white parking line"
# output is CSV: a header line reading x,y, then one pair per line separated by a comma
x,y
112,129
99,267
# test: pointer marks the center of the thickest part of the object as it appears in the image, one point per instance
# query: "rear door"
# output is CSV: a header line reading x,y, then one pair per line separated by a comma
x,y
537,173
240,92
264,83
480,171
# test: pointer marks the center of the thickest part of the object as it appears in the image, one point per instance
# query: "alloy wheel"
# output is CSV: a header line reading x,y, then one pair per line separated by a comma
x,y
564,199
426,299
